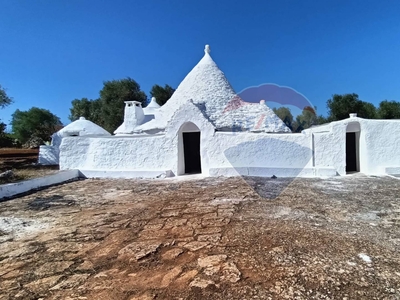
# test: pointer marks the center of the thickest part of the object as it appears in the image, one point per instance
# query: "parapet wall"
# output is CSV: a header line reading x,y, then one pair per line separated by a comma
x,y
227,154
133,153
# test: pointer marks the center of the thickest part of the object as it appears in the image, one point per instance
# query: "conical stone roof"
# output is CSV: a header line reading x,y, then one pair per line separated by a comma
x,y
208,88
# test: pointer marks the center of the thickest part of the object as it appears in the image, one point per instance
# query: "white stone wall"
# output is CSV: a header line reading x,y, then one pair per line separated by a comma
x,y
13,189
319,151
145,153
379,145
249,152
382,140
48,155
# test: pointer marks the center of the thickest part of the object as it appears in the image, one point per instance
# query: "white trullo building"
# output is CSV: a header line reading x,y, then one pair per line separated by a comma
x,y
206,128
49,155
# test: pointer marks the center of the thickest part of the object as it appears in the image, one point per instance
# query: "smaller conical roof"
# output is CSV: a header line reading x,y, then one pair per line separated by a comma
x,y
153,103
152,107
83,127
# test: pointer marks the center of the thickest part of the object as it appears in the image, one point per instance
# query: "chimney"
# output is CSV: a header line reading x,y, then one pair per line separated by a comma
x,y
134,115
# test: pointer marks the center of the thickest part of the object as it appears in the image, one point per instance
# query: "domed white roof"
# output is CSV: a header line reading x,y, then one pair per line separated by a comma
x,y
82,127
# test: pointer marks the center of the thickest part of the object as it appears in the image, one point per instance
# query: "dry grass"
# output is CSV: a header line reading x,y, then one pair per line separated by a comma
x,y
23,164
29,173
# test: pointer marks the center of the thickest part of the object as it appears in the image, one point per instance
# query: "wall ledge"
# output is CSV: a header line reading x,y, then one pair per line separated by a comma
x,y
269,172
126,174
11,190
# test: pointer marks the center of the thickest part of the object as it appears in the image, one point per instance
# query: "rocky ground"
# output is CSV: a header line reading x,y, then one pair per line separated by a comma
x,y
213,238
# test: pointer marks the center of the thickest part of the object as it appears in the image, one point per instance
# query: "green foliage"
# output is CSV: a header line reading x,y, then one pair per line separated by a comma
x,y
112,98
389,110
162,94
4,98
306,119
322,120
36,122
108,111
6,139
90,109
340,106
285,115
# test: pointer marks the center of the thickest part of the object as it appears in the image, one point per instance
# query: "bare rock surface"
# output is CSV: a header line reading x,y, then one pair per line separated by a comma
x,y
213,238
139,249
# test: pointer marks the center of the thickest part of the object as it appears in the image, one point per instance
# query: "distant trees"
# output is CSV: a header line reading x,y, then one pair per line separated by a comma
x,y
4,98
90,109
162,94
285,115
112,97
5,138
340,106
34,123
108,110
305,120
388,110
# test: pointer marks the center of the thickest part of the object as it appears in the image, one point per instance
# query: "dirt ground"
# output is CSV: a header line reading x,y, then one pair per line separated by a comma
x,y
16,157
213,238
23,164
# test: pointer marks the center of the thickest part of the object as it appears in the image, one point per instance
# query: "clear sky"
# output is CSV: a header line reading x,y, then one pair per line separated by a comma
x,y
52,52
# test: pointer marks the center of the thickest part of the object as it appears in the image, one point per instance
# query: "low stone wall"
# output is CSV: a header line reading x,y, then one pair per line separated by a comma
x,y
13,189
125,174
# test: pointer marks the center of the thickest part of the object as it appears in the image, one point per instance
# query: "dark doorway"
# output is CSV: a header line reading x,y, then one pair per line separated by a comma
x,y
191,150
351,152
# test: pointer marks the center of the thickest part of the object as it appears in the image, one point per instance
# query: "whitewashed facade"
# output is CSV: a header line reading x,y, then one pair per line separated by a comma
x,y
206,128
49,155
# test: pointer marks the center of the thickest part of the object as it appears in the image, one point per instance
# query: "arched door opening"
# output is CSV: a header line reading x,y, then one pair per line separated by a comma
x,y
353,147
189,149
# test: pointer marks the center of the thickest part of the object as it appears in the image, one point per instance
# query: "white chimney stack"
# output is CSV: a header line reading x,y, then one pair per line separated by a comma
x,y
134,115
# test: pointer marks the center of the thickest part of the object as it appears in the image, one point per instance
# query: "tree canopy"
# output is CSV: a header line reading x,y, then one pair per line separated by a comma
x,y
112,98
4,98
5,139
36,122
108,110
389,110
340,106
162,94
306,119
285,115
90,109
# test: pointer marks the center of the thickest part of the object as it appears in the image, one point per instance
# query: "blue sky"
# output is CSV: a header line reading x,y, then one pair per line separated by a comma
x,y
52,52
